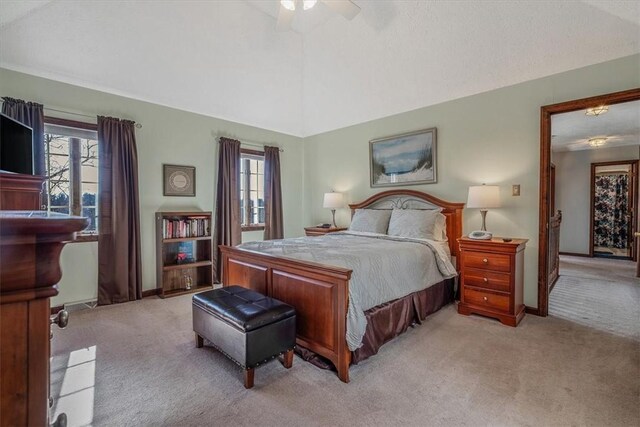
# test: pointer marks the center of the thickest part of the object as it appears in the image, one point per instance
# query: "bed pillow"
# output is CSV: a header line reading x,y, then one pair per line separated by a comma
x,y
418,224
370,221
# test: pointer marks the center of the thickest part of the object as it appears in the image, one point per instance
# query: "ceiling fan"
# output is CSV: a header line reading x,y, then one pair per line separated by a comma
x,y
346,8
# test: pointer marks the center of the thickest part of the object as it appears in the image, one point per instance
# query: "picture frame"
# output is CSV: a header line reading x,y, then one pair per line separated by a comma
x,y
179,180
405,159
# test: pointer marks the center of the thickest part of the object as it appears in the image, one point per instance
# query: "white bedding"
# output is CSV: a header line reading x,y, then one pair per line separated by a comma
x,y
385,268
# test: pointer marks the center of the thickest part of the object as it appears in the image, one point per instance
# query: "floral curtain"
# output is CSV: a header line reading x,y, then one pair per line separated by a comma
x,y
610,221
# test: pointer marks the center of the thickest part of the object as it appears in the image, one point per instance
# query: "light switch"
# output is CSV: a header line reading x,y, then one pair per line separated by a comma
x,y
515,190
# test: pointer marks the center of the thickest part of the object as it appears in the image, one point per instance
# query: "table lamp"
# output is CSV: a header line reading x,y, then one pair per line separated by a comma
x,y
483,197
333,201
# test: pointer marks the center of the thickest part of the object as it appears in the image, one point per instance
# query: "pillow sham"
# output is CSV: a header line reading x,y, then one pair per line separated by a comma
x,y
418,224
371,221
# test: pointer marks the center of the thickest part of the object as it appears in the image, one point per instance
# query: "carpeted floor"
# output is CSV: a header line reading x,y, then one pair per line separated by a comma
x,y
598,292
136,364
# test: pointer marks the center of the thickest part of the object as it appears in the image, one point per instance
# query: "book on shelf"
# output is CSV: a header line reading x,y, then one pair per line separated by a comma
x,y
181,228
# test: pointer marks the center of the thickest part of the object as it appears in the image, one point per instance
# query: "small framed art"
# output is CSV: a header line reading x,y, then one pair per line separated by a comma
x,y
179,180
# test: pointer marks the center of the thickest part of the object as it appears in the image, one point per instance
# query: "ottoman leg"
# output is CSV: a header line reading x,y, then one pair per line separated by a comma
x,y
288,359
199,341
248,378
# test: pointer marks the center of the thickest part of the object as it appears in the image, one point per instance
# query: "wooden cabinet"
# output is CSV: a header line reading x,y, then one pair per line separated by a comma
x,y
30,246
184,249
492,278
321,231
20,192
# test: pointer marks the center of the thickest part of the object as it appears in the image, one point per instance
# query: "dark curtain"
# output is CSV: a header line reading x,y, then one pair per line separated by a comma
x,y
228,230
611,206
273,224
119,266
32,115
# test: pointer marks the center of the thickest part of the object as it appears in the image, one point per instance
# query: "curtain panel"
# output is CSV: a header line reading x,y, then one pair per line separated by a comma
x,y
610,220
228,229
273,223
119,265
30,114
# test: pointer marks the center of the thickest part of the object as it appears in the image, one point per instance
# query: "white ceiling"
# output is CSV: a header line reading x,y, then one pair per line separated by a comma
x,y
225,58
620,125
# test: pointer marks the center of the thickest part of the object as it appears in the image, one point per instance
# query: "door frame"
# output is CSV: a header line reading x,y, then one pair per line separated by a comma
x,y
633,196
545,170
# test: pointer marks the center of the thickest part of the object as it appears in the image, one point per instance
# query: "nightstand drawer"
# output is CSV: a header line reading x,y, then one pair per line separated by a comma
x,y
490,261
486,299
487,279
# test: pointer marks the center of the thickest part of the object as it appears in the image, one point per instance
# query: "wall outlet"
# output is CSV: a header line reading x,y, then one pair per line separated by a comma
x,y
515,190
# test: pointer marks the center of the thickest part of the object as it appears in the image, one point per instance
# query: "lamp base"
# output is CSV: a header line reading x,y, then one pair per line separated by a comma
x,y
483,212
333,213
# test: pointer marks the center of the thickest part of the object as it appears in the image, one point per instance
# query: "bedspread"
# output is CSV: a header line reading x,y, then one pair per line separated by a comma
x,y
384,267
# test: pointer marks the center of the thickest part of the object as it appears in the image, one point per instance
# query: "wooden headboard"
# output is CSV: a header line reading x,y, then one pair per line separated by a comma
x,y
412,199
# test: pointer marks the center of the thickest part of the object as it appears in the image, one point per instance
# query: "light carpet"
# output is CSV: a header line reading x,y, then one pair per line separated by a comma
x,y
136,364
598,292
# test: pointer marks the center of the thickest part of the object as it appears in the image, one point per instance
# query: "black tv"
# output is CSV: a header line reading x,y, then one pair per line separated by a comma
x,y
16,146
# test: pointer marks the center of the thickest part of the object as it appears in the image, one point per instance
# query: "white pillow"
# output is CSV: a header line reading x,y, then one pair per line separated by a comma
x,y
370,220
418,224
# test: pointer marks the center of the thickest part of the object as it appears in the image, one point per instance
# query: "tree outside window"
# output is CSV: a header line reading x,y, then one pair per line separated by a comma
x,y
72,170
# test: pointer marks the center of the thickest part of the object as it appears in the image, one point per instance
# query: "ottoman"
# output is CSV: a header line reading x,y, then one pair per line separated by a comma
x,y
246,326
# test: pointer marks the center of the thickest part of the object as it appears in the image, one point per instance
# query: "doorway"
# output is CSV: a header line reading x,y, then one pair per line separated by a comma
x,y
595,104
613,213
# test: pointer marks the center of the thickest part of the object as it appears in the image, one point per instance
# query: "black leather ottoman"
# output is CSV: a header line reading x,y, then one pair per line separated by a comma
x,y
245,325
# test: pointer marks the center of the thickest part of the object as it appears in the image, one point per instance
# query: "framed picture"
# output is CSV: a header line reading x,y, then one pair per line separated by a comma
x,y
405,159
179,180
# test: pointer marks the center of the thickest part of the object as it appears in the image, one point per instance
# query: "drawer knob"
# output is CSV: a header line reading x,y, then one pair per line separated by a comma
x,y
485,298
485,260
61,319
485,280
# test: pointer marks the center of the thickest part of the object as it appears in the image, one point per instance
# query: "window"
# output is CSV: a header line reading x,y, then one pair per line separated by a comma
x,y
71,157
252,190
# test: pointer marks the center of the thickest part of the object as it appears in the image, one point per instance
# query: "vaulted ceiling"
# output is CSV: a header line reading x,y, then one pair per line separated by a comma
x,y
225,58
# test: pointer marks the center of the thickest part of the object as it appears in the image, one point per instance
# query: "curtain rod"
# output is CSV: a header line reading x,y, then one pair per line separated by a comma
x,y
256,144
137,125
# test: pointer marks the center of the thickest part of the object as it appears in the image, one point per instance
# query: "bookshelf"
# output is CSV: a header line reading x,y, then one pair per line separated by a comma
x,y
184,249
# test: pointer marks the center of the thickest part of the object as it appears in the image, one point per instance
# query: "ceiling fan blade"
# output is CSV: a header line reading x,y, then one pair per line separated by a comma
x,y
346,8
285,17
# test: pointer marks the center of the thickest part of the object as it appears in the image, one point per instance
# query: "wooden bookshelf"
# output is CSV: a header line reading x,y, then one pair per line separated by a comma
x,y
184,248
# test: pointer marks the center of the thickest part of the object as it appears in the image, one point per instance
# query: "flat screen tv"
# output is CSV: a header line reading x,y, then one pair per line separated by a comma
x,y
16,146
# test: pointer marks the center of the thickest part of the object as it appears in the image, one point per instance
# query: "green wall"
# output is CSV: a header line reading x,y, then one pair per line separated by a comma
x,y
167,136
491,138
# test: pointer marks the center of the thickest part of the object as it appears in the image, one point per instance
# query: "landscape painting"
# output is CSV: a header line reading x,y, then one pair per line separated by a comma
x,y
404,159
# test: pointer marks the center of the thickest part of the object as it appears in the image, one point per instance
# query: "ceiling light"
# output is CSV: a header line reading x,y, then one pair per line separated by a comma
x,y
596,111
597,142
308,4
289,4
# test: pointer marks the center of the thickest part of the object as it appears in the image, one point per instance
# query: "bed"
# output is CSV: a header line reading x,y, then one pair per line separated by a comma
x,y
320,291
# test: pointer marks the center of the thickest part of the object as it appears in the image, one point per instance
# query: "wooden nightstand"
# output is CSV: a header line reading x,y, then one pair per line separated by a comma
x,y
320,231
492,278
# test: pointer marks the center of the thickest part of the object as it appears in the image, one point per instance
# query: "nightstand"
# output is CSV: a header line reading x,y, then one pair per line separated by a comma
x,y
320,231
492,278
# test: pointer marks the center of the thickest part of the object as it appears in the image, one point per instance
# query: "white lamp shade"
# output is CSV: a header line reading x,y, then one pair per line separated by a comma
x,y
333,200
484,196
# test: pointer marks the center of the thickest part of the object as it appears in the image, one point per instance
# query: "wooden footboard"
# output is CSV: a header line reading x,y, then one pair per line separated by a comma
x,y
318,292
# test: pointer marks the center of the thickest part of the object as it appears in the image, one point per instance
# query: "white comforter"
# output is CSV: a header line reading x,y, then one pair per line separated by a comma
x,y
384,267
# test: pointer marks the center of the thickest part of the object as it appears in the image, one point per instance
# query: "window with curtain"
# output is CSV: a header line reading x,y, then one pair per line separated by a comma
x,y
71,163
252,197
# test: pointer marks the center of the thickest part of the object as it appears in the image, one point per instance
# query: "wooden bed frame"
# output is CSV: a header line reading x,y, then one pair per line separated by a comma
x,y
320,292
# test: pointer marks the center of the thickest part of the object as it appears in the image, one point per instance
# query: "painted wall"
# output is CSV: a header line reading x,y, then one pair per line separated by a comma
x,y
491,138
167,136
573,192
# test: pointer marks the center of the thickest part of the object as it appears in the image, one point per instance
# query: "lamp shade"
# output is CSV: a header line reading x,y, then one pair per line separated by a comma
x,y
484,196
333,200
